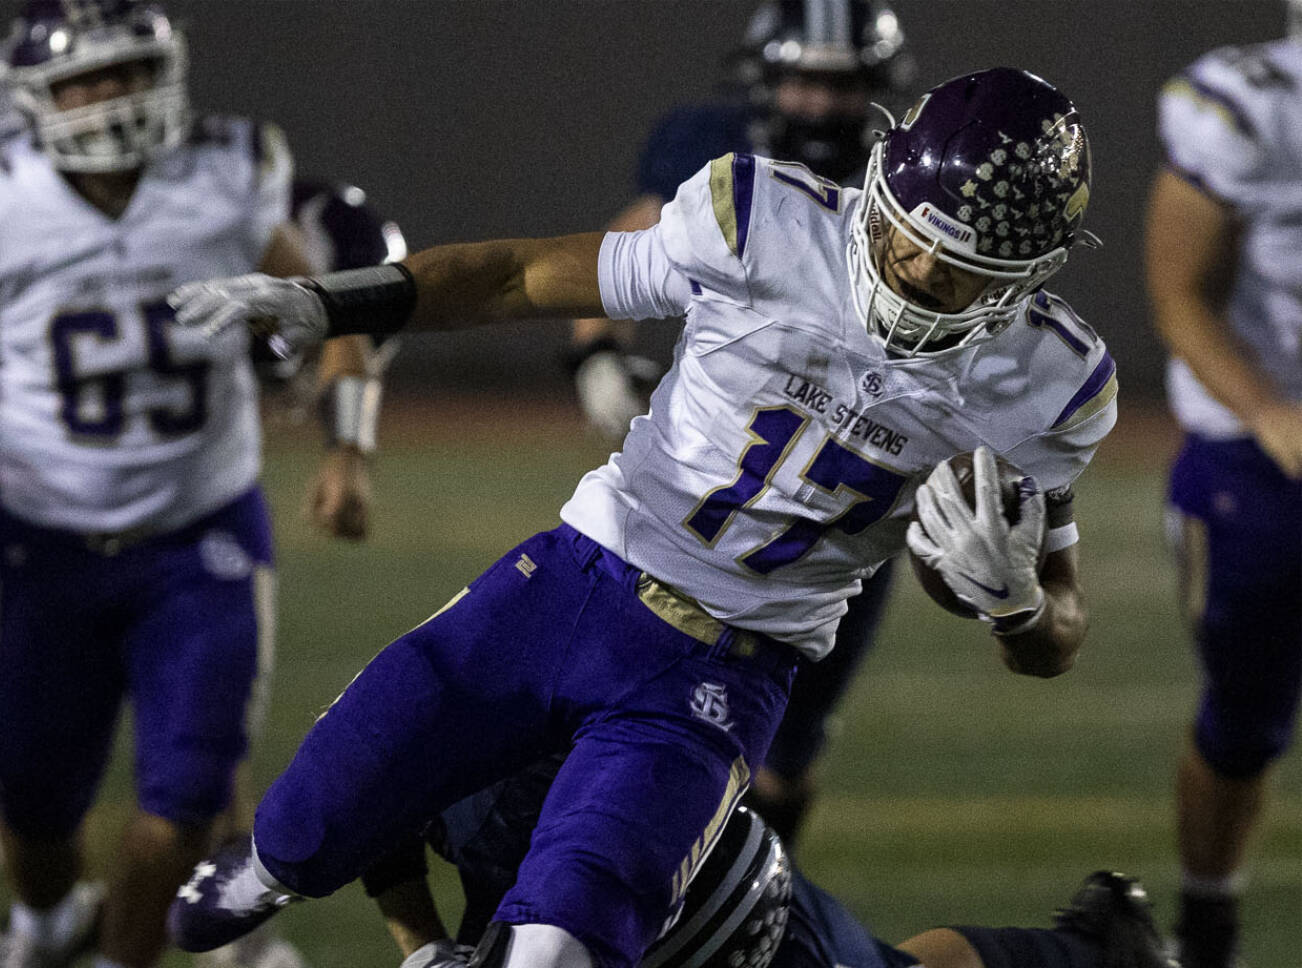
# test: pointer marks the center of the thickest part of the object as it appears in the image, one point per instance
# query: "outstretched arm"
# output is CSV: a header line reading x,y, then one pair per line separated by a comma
x,y
471,284
446,287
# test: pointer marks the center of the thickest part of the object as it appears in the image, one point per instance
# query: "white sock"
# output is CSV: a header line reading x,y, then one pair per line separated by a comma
x,y
1228,886
53,927
102,962
246,890
268,879
545,946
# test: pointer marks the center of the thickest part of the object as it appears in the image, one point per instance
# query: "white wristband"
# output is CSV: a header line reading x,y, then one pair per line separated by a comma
x,y
352,412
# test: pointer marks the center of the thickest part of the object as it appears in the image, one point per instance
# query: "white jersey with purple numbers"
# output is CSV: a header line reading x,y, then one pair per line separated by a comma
x,y
778,463
111,417
1232,125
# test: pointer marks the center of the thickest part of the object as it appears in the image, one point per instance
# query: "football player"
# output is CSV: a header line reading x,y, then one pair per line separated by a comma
x,y
1224,260
839,345
810,70
138,551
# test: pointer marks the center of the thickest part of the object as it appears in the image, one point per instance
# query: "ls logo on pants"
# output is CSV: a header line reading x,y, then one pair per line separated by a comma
x,y
710,703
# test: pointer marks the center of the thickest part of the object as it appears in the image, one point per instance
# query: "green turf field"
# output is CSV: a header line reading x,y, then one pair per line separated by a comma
x,y
953,792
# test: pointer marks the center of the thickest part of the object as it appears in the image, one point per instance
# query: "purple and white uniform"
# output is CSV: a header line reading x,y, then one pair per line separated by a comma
x,y
653,635
1231,125
136,548
778,463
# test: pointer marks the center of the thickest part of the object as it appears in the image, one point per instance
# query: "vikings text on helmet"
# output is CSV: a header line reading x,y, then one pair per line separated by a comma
x,y
990,172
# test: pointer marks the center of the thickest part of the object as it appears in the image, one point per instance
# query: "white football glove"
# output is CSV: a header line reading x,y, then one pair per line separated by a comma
x,y
291,316
445,953
988,564
607,383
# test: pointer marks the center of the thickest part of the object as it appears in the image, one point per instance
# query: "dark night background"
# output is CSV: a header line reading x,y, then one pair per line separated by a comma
x,y
469,119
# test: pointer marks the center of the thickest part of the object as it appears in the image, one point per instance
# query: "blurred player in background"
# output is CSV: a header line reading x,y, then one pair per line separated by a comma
x,y
839,347
1225,279
809,71
137,550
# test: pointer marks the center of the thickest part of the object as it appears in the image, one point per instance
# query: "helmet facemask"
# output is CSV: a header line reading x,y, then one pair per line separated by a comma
x,y
904,327
115,135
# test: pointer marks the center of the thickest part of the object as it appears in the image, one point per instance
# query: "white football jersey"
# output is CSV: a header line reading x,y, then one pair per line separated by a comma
x,y
111,417
1232,124
778,463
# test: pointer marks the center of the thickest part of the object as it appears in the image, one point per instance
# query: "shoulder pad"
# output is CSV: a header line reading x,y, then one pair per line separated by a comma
x,y
705,226
270,148
1219,118
1095,383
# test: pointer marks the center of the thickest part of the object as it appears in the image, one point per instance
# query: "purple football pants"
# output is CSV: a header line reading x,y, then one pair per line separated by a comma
x,y
553,648
170,621
1250,633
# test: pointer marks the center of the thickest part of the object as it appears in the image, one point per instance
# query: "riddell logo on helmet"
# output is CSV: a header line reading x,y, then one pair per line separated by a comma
x,y
957,232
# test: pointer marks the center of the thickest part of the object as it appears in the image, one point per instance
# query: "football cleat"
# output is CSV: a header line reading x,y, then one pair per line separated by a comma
x,y
208,912
18,949
1114,911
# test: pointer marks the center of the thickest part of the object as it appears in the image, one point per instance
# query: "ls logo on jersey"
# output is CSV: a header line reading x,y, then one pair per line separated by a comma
x,y
872,384
710,703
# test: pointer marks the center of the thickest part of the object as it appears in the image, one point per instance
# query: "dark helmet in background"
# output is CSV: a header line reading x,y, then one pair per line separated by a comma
x,y
989,172
735,911
853,49
341,229
54,41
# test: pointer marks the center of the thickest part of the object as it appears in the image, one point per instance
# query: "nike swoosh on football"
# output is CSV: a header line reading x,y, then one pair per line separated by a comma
x,y
1000,592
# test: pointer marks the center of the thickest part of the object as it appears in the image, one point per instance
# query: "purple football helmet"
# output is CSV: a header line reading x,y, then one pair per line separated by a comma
x,y
989,172
56,40
841,42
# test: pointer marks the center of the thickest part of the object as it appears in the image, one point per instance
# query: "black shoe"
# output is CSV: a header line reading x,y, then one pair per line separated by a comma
x,y
1207,934
1114,911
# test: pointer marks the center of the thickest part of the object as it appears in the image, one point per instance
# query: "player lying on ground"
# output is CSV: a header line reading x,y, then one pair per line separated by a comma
x,y
748,905
838,345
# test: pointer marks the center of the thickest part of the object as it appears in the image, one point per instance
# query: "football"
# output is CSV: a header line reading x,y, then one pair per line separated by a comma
x,y
930,579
